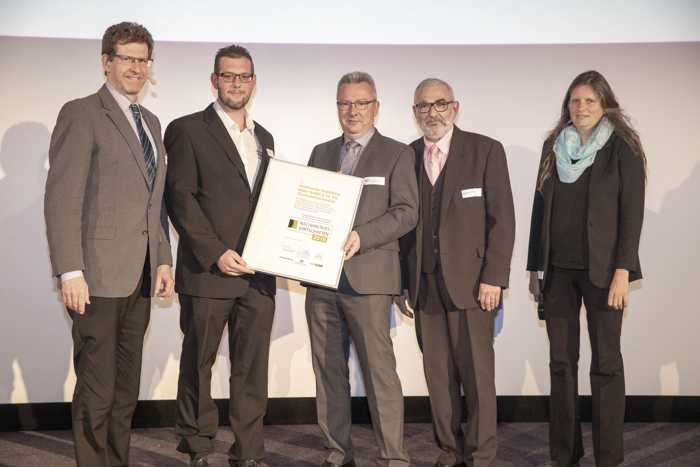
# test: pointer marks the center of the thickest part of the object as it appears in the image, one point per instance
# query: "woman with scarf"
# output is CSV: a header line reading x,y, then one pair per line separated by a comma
x,y
584,241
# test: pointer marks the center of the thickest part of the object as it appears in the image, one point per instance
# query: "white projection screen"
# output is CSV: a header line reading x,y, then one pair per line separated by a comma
x,y
509,62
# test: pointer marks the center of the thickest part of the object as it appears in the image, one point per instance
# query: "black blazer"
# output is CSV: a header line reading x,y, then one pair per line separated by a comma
x,y
210,203
615,214
476,233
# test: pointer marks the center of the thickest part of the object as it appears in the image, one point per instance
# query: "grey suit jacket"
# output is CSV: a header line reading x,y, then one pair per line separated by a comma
x,y
385,212
101,217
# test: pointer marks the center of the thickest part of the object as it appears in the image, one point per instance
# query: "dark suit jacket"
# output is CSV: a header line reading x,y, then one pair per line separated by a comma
x,y
384,214
101,216
211,203
615,214
476,234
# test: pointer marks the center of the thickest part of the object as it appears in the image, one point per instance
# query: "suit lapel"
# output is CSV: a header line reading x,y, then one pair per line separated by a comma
x,y
264,160
330,160
419,149
115,113
221,136
455,165
368,156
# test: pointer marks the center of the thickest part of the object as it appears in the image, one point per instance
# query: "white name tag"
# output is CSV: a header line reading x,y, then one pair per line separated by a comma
x,y
270,152
373,181
471,193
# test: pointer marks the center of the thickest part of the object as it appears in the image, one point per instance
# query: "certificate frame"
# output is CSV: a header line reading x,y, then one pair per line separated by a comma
x,y
301,221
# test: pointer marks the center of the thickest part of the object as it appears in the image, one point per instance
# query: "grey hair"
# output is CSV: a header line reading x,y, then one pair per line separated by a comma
x,y
357,77
433,82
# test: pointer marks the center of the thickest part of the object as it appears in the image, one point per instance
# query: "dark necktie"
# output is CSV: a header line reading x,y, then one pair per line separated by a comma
x,y
352,152
148,154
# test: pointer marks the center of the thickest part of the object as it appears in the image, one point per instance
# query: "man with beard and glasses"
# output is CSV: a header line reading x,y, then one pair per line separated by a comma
x,y
217,160
455,264
103,206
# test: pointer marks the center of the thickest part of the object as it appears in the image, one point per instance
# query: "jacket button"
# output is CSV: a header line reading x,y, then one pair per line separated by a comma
x,y
145,232
435,250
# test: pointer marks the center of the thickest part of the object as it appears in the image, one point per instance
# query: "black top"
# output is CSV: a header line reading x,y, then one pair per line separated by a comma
x,y
569,219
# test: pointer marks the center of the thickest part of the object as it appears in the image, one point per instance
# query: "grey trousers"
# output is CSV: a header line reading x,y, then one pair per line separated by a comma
x,y
458,352
334,318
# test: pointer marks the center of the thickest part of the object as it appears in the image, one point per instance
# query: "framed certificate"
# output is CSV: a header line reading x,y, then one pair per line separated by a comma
x,y
301,222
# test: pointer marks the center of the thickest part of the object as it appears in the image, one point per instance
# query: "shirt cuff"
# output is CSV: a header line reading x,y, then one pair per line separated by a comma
x,y
71,275
540,275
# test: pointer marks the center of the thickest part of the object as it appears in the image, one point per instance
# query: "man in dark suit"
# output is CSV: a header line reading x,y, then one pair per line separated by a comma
x,y
456,262
360,308
217,161
106,241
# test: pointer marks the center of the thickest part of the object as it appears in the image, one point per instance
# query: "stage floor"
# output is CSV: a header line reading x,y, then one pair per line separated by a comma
x,y
520,445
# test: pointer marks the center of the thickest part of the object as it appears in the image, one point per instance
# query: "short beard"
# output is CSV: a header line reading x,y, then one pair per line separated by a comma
x,y
436,133
233,105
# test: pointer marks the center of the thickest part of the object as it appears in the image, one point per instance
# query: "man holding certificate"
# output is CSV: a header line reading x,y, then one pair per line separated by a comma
x,y
360,308
217,161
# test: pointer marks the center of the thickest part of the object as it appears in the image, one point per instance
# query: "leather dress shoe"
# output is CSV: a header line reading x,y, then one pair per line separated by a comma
x,y
199,461
350,463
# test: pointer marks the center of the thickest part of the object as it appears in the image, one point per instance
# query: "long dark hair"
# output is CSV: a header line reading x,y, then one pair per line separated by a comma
x,y
619,120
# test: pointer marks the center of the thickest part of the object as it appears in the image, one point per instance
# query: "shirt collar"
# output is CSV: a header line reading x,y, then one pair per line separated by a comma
x,y
443,143
122,101
228,121
362,140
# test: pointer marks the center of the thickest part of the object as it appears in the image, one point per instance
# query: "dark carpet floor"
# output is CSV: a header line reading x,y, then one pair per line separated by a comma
x,y
520,445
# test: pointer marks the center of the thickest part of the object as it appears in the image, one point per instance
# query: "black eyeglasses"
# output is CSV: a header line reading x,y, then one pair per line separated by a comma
x,y
359,105
134,60
227,77
440,106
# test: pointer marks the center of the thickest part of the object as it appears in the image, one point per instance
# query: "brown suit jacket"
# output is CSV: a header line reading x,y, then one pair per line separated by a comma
x,y
100,214
384,214
476,233
211,203
614,217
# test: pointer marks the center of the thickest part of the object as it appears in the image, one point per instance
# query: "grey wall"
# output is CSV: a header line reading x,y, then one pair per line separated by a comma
x,y
511,93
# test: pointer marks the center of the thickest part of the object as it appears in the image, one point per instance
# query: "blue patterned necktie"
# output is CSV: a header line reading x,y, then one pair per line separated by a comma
x,y
148,154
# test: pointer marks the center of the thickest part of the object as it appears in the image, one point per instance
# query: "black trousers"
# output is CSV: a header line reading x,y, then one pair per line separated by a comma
x,y
202,320
107,347
458,353
564,291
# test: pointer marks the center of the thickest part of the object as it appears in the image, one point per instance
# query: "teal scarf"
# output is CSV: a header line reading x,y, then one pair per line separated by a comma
x,y
573,158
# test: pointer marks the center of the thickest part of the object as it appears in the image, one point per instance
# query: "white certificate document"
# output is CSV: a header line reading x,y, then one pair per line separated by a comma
x,y
301,222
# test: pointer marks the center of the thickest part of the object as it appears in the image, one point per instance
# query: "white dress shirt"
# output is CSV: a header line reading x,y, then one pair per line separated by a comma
x,y
245,142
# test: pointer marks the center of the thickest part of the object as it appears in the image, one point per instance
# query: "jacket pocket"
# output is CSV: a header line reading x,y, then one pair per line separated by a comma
x,y
100,232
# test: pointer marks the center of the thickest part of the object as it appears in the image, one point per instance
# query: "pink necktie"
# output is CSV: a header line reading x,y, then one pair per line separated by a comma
x,y
433,163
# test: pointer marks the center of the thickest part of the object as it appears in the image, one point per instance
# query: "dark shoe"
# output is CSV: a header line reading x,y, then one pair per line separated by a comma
x,y
351,463
440,464
199,461
246,463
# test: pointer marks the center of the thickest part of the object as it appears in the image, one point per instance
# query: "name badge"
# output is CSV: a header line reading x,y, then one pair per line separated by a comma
x,y
471,193
270,152
373,181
